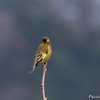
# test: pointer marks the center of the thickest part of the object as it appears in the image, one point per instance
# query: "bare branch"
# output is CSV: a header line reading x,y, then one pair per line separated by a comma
x,y
43,79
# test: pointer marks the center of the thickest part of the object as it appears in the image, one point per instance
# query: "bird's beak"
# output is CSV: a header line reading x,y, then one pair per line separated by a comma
x,y
48,40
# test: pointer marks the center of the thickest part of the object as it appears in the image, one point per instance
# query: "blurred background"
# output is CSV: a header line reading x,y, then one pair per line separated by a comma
x,y
73,27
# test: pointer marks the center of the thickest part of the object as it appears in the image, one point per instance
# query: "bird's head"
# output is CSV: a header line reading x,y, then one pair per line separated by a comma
x,y
45,40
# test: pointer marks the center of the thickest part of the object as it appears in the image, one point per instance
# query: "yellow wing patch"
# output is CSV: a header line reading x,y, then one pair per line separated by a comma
x,y
44,55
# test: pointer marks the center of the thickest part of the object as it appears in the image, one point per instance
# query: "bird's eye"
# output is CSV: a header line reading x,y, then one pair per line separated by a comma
x,y
44,40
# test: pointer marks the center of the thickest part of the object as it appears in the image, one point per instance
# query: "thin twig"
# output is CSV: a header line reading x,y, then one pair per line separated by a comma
x,y
43,79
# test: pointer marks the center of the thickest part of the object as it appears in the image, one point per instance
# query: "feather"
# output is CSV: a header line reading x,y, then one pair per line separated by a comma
x,y
32,69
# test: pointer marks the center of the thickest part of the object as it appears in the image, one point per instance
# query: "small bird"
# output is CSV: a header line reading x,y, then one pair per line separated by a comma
x,y
43,53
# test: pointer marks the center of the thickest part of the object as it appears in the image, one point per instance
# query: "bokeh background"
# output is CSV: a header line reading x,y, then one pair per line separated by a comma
x,y
73,27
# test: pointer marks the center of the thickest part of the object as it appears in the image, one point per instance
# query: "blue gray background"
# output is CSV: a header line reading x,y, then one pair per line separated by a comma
x,y
73,27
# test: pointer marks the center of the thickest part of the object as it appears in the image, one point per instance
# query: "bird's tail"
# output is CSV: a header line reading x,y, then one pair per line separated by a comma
x,y
32,69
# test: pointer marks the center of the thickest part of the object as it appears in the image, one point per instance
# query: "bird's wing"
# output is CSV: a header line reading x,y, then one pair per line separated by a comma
x,y
41,53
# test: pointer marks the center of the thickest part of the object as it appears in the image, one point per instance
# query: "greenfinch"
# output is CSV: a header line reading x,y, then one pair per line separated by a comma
x,y
43,53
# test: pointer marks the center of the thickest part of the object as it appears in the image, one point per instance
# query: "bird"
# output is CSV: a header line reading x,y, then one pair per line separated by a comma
x,y
43,53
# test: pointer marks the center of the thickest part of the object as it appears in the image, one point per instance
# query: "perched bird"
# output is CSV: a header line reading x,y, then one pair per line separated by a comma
x,y
43,53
